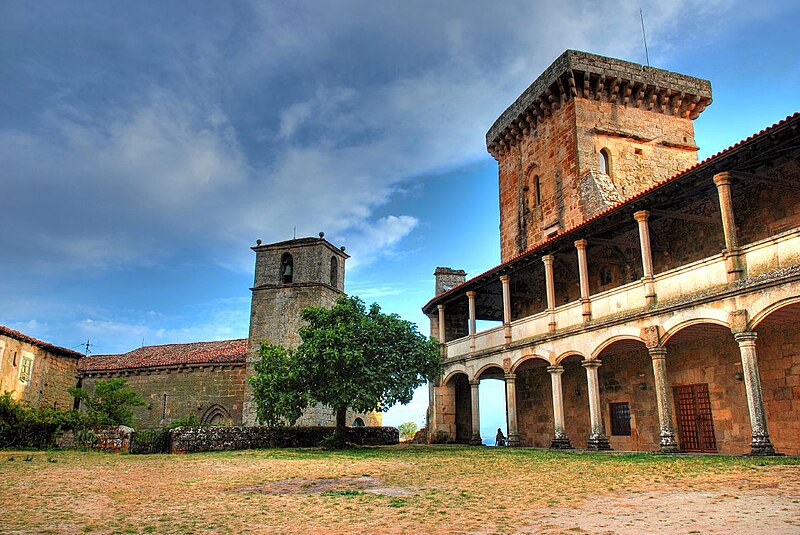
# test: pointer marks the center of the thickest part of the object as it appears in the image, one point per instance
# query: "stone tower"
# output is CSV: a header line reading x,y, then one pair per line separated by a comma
x,y
590,132
289,276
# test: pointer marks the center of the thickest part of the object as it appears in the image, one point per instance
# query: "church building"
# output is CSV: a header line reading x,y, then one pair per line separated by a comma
x,y
643,301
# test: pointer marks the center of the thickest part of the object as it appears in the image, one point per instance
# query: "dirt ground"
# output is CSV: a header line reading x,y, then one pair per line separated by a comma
x,y
399,490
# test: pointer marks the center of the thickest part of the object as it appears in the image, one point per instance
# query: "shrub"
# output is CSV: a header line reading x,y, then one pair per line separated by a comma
x,y
24,426
111,403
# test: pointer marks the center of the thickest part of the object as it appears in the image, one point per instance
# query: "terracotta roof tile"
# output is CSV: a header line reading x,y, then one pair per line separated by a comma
x,y
219,352
7,331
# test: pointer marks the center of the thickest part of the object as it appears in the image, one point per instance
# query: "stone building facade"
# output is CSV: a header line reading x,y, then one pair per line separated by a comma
x,y
36,372
207,380
644,301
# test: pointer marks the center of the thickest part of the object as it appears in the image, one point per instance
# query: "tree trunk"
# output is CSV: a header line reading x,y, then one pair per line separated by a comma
x,y
341,420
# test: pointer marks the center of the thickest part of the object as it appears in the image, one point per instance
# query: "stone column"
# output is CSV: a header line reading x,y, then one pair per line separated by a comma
x,y
475,439
647,257
551,290
560,439
761,444
511,408
733,259
505,280
441,324
471,299
663,399
597,435
583,273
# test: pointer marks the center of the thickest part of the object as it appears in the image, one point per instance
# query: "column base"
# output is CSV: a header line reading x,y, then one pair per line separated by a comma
x,y
598,443
561,443
513,441
762,447
668,443
475,440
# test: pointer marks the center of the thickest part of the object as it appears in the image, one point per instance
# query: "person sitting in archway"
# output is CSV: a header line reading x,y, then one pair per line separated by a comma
x,y
500,438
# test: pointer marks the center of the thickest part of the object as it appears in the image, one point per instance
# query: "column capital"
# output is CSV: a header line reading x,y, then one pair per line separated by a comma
x,y
746,337
581,244
641,215
591,363
505,278
440,307
555,370
471,294
722,179
547,259
510,376
474,383
657,353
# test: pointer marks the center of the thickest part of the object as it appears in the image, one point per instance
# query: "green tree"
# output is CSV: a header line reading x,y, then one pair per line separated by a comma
x,y
111,403
407,429
349,357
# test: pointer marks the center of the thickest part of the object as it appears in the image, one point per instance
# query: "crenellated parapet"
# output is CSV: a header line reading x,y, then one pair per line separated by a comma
x,y
580,75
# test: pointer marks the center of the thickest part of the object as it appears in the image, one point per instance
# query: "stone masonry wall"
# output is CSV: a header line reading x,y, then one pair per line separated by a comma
x,y
191,391
550,154
52,375
645,147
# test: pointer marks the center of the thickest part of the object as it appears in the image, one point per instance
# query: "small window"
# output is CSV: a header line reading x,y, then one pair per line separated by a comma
x,y
358,422
26,368
334,271
620,419
537,191
605,276
605,162
287,268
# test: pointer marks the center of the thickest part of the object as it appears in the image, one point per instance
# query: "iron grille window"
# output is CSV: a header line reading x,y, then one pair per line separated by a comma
x,y
620,419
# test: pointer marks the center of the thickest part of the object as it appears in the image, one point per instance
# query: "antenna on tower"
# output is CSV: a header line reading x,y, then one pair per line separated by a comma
x,y
86,351
294,234
644,38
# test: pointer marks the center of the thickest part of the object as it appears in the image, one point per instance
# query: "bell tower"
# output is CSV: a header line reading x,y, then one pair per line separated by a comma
x,y
289,276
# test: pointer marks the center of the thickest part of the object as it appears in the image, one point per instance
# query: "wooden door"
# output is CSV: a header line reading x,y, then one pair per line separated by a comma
x,y
695,424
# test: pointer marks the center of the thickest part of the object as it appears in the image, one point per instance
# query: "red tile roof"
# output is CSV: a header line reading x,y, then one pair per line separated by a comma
x,y
219,352
688,172
58,350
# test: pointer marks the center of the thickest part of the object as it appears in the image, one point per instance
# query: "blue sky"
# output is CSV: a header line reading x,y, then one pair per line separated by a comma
x,y
145,146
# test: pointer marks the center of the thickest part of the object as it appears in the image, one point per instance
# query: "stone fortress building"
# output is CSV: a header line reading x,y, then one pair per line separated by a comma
x,y
207,380
643,301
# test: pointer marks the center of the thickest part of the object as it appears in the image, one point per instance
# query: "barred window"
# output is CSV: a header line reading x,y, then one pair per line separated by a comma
x,y
620,419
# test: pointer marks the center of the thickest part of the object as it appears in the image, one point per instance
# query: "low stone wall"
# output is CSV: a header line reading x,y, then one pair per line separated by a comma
x,y
113,438
197,439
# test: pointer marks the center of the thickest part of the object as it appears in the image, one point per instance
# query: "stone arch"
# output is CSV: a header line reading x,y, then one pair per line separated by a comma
x,y
483,369
216,414
450,376
764,313
528,358
567,354
605,344
693,317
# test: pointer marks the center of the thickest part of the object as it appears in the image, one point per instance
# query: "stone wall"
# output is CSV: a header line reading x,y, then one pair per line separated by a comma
x,y
213,394
51,374
198,439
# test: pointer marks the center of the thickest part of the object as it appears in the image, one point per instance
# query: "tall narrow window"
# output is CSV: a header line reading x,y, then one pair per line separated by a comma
x,y
620,419
537,191
334,271
605,162
287,268
26,368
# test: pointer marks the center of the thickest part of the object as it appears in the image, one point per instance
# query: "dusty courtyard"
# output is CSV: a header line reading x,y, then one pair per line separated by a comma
x,y
398,490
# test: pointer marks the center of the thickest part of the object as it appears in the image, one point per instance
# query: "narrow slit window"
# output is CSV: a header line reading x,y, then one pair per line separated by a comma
x,y
537,191
605,162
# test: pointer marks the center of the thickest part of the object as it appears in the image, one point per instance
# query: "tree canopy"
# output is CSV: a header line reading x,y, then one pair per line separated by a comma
x,y
111,403
350,357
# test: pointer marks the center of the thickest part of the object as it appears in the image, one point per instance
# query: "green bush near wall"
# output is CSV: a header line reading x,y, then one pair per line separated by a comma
x,y
24,426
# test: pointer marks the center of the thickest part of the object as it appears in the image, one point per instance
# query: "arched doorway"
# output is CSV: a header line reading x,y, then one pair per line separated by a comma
x,y
534,402
456,408
492,403
709,400
575,396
